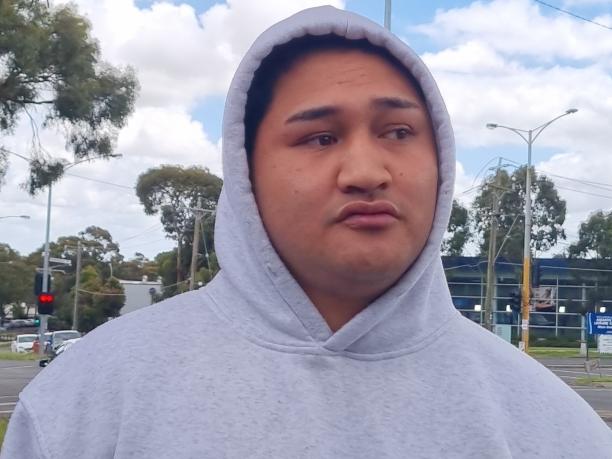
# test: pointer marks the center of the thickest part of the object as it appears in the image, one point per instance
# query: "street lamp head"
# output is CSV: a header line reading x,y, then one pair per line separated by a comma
x,y
27,217
491,125
115,155
571,110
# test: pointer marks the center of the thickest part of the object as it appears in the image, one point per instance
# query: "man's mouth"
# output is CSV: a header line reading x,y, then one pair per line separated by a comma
x,y
368,215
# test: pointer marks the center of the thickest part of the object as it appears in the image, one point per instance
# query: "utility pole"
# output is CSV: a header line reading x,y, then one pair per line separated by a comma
x,y
75,310
196,240
388,14
491,278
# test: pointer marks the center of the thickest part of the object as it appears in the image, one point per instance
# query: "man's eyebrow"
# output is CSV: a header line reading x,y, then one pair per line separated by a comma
x,y
394,102
313,114
329,110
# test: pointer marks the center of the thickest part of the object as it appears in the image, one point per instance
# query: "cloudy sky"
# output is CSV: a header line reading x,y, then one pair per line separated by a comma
x,y
518,63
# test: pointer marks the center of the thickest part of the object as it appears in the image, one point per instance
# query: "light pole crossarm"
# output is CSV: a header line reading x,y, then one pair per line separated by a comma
x,y
540,128
515,130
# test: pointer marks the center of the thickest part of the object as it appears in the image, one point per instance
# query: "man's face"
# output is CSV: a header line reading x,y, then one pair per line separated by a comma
x,y
345,172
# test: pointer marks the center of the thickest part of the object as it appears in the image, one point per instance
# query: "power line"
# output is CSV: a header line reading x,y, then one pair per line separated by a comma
x,y
144,243
600,185
101,293
150,229
573,14
585,192
101,181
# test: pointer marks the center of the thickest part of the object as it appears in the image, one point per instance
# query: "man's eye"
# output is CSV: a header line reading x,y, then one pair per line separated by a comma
x,y
321,140
397,134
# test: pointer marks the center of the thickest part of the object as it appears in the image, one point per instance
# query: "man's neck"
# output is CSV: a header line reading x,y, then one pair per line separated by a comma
x,y
337,310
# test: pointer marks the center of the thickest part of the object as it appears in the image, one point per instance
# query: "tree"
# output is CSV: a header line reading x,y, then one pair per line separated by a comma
x,y
548,212
16,278
458,231
136,268
49,61
172,192
99,299
594,237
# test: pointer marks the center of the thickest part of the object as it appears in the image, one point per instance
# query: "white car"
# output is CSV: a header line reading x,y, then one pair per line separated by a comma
x,y
23,343
58,337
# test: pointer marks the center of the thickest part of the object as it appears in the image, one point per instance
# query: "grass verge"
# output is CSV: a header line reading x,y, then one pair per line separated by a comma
x,y
7,355
561,352
3,426
601,381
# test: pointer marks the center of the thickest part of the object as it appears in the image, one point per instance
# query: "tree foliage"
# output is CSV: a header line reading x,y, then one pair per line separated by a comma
x,y
173,192
99,299
458,231
16,278
548,212
136,268
49,61
594,237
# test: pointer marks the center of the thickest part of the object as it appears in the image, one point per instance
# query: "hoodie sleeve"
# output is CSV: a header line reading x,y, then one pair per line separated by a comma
x,y
22,439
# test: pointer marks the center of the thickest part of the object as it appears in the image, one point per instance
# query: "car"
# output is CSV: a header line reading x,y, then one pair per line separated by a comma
x,y
59,336
23,343
17,323
57,351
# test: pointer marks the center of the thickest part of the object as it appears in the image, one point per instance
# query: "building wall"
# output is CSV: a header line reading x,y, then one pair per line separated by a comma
x,y
137,294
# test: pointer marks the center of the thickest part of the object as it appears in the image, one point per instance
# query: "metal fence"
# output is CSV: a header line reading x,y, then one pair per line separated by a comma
x,y
542,325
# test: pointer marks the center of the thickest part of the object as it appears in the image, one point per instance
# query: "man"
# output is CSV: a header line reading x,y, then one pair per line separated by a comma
x,y
329,332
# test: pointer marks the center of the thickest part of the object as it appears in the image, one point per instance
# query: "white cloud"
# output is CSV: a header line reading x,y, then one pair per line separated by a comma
x,y
464,185
180,58
153,137
522,71
518,28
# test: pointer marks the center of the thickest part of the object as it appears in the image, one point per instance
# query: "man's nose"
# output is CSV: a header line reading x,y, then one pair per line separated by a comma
x,y
363,168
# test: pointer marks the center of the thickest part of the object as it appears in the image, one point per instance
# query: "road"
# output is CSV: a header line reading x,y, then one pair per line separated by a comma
x,y
598,397
14,375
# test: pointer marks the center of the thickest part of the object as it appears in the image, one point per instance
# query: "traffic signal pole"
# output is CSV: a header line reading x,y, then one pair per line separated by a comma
x,y
42,329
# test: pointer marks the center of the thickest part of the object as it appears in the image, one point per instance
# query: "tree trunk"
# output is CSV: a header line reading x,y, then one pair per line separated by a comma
x,y
179,272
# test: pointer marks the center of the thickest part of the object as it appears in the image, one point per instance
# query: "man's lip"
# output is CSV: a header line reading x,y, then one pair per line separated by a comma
x,y
359,208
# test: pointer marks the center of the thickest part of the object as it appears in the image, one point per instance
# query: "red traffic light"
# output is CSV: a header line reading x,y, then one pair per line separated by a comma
x,y
46,298
45,303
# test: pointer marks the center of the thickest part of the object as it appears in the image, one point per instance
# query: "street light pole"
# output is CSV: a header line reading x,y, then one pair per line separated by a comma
x,y
45,283
531,136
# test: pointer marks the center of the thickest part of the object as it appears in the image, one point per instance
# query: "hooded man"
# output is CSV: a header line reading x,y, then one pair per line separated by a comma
x,y
329,331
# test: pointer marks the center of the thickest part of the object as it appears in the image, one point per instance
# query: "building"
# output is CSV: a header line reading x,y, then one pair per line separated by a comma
x,y
139,294
575,287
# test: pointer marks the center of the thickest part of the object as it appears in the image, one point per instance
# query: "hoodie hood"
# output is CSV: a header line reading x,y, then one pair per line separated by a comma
x,y
254,289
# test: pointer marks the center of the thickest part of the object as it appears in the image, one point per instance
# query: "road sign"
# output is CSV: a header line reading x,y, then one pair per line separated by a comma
x,y
604,344
61,261
599,324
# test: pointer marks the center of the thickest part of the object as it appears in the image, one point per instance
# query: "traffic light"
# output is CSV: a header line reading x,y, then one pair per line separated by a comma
x,y
37,321
515,300
45,303
38,283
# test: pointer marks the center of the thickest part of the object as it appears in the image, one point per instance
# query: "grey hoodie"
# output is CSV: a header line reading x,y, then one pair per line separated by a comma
x,y
247,367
